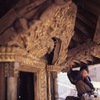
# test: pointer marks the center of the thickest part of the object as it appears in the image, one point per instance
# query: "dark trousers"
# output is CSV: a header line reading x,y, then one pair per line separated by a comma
x,y
82,88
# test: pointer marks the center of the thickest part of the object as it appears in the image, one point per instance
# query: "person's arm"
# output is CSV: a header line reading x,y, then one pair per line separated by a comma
x,y
69,74
87,80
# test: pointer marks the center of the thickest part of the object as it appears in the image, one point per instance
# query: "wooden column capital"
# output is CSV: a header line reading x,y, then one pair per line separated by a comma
x,y
10,69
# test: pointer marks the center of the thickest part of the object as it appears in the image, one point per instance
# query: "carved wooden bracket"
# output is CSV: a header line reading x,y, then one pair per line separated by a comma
x,y
83,53
32,40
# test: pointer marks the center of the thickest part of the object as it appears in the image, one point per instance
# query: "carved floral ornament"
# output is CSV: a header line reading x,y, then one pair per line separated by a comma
x,y
33,43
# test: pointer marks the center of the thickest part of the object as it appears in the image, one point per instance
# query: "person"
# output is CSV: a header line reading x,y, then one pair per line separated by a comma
x,y
83,84
85,77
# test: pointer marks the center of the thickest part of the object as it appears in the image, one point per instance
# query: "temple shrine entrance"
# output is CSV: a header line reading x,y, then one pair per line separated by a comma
x,y
26,86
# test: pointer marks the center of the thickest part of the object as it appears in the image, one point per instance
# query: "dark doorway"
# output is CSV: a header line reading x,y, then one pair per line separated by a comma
x,y
26,86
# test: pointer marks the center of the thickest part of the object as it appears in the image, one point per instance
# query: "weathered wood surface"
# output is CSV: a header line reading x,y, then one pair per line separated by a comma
x,y
97,32
33,26
43,21
15,13
82,53
7,20
29,7
92,7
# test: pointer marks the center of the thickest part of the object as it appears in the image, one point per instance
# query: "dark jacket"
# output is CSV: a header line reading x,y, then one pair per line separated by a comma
x,y
74,76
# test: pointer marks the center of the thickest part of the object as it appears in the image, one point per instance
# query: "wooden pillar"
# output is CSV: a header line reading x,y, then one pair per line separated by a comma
x,y
56,86
52,86
2,83
36,88
43,84
11,74
49,86
11,88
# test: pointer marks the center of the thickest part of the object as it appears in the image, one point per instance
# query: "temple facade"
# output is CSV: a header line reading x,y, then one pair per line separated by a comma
x,y
38,39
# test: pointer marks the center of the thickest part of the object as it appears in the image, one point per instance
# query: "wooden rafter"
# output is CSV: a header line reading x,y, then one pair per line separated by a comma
x,y
97,32
83,54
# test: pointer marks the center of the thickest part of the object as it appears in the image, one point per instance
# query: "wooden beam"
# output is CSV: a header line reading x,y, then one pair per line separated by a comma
x,y
96,1
21,11
73,43
92,7
88,15
60,2
8,35
97,32
7,20
81,35
77,38
84,28
22,3
86,20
